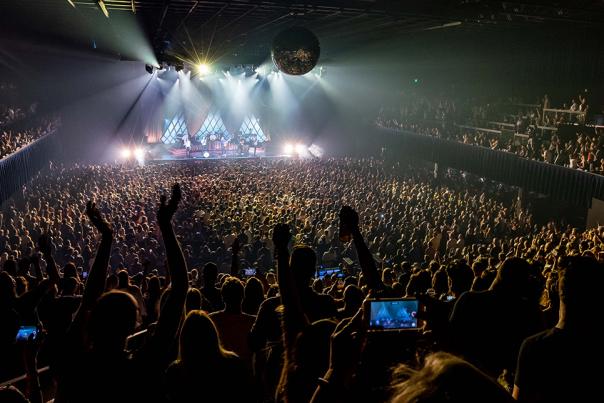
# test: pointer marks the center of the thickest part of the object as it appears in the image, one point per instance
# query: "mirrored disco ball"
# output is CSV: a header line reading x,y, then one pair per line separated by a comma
x,y
295,51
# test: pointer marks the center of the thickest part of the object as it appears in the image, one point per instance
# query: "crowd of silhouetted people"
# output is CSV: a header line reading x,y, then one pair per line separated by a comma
x,y
202,282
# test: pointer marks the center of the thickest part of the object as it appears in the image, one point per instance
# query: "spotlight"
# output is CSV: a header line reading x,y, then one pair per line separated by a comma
x,y
300,149
103,8
206,154
139,153
126,153
203,69
288,149
149,68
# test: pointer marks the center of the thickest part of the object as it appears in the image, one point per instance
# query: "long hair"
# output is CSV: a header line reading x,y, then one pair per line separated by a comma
x,y
446,378
199,341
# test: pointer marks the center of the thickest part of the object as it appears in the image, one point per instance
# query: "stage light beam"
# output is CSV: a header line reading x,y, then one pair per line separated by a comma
x,y
71,3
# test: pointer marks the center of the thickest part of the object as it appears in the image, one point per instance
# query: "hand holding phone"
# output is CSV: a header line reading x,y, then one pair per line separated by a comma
x,y
27,333
392,314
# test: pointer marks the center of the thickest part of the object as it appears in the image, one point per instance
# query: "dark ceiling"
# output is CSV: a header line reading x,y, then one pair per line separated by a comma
x,y
245,27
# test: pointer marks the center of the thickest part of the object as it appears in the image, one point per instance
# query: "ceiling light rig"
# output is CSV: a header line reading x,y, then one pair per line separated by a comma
x,y
103,7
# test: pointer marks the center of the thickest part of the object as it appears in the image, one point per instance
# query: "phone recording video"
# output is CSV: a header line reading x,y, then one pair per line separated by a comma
x,y
27,333
393,314
249,272
321,273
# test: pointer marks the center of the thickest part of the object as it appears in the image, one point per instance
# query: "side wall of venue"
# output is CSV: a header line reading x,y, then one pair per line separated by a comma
x,y
562,184
17,169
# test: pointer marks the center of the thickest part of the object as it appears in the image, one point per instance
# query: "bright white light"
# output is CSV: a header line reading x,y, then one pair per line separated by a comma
x,y
139,153
288,149
125,153
206,154
203,69
316,151
300,148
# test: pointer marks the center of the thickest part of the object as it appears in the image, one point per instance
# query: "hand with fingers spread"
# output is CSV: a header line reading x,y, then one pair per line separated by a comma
x,y
96,218
166,211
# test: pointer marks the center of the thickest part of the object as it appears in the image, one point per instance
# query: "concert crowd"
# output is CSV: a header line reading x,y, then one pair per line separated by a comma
x,y
198,281
531,133
20,123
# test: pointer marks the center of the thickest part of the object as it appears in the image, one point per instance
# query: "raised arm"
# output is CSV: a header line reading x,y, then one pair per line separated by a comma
x,y
35,261
350,219
294,319
171,313
45,246
235,248
95,285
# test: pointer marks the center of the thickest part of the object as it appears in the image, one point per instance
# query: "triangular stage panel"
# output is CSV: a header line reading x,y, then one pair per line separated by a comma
x,y
174,129
250,128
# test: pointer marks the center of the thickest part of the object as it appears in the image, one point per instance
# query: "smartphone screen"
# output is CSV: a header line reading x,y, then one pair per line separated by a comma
x,y
393,314
26,333
250,272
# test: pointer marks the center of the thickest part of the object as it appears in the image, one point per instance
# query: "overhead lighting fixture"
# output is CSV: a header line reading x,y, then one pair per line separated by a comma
x,y
103,7
447,25
71,3
133,6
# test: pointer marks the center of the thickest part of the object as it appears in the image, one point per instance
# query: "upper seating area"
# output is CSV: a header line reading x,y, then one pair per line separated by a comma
x,y
565,133
20,121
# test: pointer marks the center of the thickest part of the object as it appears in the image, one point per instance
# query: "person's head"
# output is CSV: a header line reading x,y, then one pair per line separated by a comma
x,y
199,342
353,298
70,270
253,289
112,320
461,278
512,276
123,279
579,286
302,263
193,300
154,287
10,267
446,378
70,286
210,274
232,293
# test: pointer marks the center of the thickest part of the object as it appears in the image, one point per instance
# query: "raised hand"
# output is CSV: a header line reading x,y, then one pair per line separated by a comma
x,y
95,217
349,218
45,244
281,236
236,246
347,344
166,211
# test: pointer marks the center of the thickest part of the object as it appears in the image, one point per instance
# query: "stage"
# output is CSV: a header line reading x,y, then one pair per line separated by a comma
x,y
163,152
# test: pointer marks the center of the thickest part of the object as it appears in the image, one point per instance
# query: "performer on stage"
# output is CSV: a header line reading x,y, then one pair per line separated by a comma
x,y
187,143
